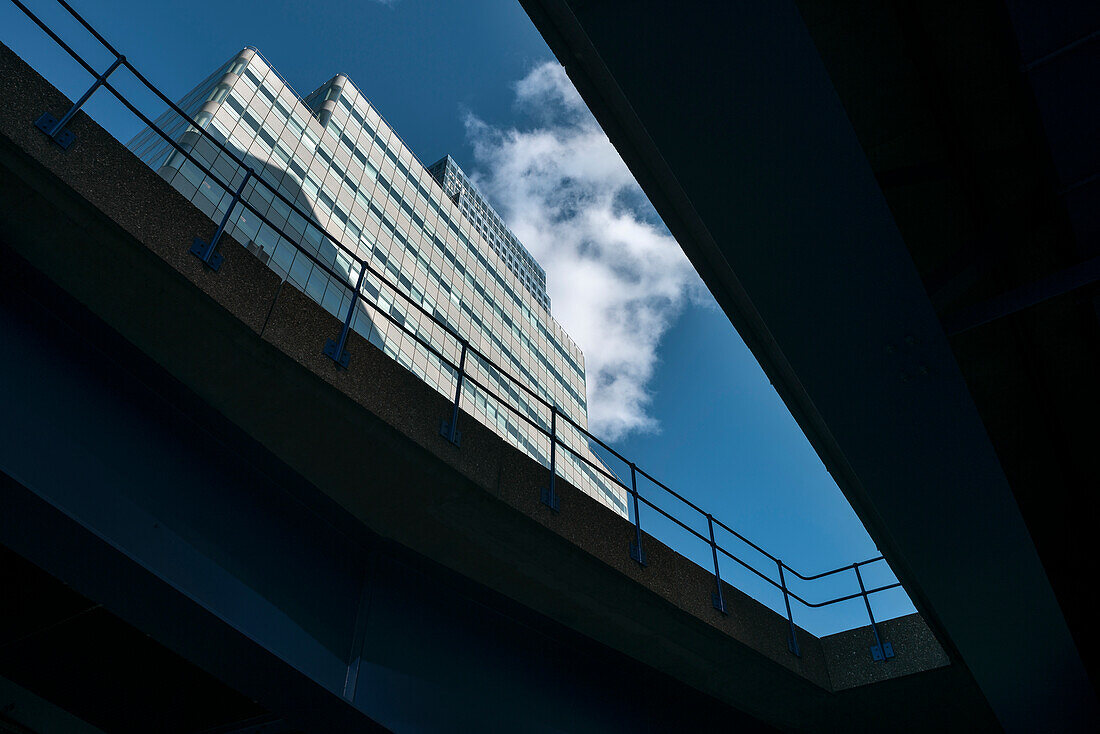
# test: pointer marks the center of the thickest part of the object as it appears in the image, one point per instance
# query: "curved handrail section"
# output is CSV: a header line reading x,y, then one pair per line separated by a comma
x,y
55,129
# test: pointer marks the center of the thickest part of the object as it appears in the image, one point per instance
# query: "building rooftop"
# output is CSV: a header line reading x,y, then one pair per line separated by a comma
x,y
491,225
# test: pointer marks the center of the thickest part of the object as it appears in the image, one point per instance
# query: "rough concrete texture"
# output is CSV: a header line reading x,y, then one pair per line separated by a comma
x,y
368,435
915,650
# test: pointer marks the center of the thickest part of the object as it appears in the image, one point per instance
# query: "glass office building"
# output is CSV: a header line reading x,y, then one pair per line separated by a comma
x,y
489,224
429,231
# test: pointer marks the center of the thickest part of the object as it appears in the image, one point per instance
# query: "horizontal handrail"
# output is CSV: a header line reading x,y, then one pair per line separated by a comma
x,y
462,373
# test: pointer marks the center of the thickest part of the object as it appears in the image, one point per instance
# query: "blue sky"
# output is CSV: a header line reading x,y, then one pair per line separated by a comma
x,y
669,378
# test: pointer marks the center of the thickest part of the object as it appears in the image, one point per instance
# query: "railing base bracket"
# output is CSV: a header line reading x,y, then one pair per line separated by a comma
x,y
330,352
46,123
637,553
445,432
718,602
880,653
198,249
550,500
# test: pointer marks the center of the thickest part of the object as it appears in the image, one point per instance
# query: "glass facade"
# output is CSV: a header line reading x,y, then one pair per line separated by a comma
x,y
430,232
490,226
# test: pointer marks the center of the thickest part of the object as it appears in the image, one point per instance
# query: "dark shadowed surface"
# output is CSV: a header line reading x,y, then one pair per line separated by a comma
x,y
850,180
360,450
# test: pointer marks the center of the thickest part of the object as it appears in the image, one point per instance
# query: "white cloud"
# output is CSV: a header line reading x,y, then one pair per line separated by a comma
x,y
617,278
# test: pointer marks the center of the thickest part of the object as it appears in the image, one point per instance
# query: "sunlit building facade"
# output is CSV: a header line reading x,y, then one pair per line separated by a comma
x,y
490,226
430,232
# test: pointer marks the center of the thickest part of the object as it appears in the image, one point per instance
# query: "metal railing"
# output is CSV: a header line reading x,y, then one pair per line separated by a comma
x,y
335,349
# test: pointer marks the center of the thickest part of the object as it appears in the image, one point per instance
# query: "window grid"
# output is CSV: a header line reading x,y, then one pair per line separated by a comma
x,y
459,262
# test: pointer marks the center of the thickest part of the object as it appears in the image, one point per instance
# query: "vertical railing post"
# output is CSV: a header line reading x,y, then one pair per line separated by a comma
x,y
549,496
636,550
56,129
449,429
792,641
205,250
335,349
716,599
880,651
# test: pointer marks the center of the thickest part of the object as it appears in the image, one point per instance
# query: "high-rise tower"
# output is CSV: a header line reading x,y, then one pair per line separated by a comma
x,y
431,233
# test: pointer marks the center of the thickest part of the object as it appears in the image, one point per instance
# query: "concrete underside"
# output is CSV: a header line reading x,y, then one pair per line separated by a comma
x,y
843,176
183,434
